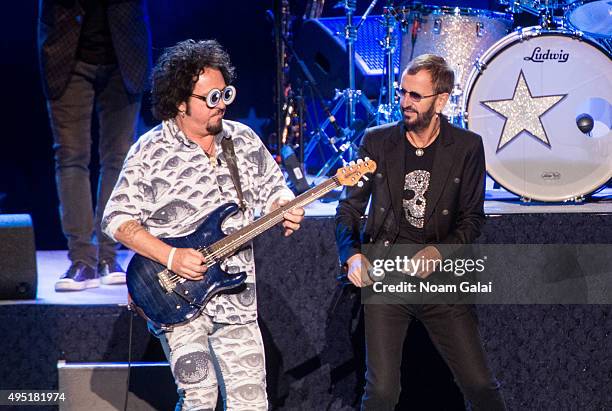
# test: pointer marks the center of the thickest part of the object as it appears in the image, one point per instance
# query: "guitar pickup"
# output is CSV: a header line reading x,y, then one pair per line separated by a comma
x,y
166,282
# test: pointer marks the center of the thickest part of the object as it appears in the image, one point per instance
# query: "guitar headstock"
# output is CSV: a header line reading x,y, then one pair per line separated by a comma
x,y
352,173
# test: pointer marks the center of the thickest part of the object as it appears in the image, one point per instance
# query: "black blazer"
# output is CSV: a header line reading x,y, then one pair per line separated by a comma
x,y
454,213
59,27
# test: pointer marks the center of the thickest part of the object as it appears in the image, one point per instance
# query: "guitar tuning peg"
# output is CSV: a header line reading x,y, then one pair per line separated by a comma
x,y
359,161
365,178
360,184
352,163
367,159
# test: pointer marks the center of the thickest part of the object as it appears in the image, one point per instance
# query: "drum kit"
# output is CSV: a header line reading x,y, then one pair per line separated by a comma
x,y
540,96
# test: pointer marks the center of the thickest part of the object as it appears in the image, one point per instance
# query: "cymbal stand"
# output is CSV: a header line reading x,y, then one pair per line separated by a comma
x,y
350,96
388,110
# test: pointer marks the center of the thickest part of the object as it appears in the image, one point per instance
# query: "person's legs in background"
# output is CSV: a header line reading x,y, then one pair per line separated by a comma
x,y
117,112
70,118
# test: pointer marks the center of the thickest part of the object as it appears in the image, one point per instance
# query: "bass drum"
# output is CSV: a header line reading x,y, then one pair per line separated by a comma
x,y
541,100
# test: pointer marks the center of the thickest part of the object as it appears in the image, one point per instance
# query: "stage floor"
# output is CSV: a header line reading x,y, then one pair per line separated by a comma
x,y
51,264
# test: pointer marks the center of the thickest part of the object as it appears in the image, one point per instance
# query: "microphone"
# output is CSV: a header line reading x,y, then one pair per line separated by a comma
x,y
585,123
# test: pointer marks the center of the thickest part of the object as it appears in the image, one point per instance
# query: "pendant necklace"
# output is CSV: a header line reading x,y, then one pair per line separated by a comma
x,y
212,157
420,150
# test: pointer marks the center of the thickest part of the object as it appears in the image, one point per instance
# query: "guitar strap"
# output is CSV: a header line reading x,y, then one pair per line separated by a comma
x,y
227,144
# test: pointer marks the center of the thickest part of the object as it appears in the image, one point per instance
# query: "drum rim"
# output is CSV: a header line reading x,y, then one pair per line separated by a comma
x,y
560,3
429,9
498,47
592,189
575,6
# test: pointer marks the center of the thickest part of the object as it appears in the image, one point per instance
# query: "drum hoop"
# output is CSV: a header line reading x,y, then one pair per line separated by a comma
x,y
575,6
592,189
497,48
457,11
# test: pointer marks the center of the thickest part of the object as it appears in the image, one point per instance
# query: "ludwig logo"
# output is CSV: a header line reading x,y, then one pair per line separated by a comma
x,y
537,56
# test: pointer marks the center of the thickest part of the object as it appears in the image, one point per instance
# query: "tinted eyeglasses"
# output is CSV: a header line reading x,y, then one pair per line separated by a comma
x,y
214,96
414,96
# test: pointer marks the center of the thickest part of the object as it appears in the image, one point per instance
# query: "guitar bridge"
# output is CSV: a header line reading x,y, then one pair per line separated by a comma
x,y
166,282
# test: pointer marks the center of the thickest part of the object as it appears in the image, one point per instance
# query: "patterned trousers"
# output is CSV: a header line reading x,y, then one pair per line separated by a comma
x,y
206,357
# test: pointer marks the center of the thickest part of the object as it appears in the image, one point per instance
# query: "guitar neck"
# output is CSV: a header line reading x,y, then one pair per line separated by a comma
x,y
234,241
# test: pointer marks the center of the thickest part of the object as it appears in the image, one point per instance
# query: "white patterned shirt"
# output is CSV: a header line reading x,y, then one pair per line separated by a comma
x,y
169,186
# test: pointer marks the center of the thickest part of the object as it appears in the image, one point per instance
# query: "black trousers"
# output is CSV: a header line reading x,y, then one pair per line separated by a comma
x,y
453,330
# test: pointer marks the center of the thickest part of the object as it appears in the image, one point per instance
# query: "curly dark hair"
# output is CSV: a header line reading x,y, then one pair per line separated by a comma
x,y
177,70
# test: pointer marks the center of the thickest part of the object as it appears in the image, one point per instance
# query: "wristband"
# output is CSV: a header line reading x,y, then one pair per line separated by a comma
x,y
170,258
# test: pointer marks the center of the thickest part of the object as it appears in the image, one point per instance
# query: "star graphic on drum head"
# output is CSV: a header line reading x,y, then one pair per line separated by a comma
x,y
523,112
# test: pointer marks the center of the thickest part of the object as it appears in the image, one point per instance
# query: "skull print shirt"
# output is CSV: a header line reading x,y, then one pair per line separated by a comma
x,y
169,185
417,176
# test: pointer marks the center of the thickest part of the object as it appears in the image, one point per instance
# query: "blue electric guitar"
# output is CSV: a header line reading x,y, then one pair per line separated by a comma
x,y
166,299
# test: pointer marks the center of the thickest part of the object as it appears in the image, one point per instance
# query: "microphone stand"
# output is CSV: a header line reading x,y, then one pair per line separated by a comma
x,y
315,86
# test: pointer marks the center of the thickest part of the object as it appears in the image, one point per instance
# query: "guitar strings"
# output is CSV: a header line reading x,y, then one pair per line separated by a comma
x,y
325,187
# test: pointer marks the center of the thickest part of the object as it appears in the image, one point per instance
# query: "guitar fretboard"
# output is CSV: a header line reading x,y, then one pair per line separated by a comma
x,y
234,241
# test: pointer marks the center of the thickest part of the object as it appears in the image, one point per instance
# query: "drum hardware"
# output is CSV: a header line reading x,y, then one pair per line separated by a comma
x,y
319,136
480,65
585,123
349,97
352,95
572,200
437,26
546,19
479,29
347,137
314,9
388,107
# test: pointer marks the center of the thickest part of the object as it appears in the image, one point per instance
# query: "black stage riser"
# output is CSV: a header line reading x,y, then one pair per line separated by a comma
x,y
545,356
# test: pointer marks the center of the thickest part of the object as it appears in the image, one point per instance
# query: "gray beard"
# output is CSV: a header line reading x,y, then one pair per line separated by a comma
x,y
422,121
